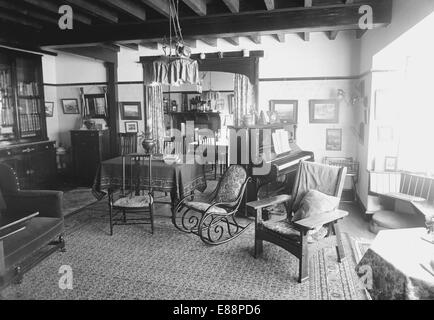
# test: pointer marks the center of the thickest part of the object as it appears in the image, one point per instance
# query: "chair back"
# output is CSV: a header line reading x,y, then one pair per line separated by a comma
x,y
127,143
172,146
231,184
315,176
136,174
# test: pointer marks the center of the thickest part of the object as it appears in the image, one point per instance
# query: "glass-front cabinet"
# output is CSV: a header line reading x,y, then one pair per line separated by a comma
x,y
22,116
23,134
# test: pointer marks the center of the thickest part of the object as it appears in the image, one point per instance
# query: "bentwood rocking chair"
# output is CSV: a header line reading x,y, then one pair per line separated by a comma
x,y
291,235
214,219
136,200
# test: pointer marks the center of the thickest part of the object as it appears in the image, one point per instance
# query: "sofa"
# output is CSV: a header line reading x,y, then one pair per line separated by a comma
x,y
45,229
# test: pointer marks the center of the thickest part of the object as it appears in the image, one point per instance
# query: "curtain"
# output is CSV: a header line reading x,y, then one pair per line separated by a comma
x,y
155,115
172,71
244,98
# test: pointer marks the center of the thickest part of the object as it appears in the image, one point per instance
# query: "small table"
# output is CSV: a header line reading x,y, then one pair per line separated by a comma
x,y
399,260
178,179
8,227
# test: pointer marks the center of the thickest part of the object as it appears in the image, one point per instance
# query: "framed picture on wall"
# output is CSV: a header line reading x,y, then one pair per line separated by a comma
x,y
324,111
49,109
287,110
334,140
131,127
96,105
131,110
391,164
70,106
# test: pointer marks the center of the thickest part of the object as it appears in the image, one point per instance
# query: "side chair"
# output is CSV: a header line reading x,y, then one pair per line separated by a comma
x,y
136,195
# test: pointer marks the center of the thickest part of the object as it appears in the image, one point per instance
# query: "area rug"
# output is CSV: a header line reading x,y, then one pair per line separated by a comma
x,y
76,200
133,264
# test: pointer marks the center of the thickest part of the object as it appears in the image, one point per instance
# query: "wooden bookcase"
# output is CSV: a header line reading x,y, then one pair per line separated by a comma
x,y
23,130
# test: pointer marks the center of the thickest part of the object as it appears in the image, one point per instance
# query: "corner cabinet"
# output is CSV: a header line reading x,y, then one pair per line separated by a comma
x,y
23,130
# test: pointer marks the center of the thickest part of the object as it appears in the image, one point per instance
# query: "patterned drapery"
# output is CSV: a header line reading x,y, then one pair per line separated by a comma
x,y
244,98
172,71
155,115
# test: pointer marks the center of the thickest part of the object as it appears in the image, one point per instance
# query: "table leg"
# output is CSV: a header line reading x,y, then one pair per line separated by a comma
x,y
2,260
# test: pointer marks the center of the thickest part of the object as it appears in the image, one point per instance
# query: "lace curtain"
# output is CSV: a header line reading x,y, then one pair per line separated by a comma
x,y
155,115
244,98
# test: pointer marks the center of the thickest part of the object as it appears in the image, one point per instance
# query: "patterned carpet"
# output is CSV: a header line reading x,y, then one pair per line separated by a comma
x,y
77,199
133,264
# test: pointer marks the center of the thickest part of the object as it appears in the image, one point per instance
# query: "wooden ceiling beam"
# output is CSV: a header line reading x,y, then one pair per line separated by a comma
x,y
131,8
233,5
131,46
270,4
21,10
198,6
150,45
212,42
290,20
255,39
20,20
161,6
280,37
233,40
95,10
332,34
49,6
360,33
306,36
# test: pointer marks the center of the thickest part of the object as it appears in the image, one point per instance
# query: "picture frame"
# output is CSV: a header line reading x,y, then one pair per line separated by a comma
x,y
70,106
391,164
324,111
334,139
131,127
96,105
131,110
287,110
49,109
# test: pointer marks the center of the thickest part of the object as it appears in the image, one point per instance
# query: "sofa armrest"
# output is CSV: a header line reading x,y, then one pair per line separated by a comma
x,y
47,203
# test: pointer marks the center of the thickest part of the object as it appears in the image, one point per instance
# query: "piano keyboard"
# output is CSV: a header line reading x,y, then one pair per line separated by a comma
x,y
293,163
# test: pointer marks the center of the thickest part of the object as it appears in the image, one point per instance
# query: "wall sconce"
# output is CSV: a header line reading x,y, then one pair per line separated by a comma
x,y
202,56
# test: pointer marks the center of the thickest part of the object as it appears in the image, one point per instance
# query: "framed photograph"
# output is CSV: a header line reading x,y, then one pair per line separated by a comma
x,y
391,164
287,110
131,110
334,140
49,109
131,127
70,106
324,111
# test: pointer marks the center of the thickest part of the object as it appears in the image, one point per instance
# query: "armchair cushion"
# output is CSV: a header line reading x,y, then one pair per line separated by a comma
x,y
315,203
283,228
48,203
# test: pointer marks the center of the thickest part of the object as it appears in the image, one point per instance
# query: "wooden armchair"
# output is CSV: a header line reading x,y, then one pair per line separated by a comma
x,y
293,236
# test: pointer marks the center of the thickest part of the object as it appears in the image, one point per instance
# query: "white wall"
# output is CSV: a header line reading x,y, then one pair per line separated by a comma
x,y
406,14
60,73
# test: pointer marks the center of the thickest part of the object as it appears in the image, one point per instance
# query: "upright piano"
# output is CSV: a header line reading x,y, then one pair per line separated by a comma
x,y
282,167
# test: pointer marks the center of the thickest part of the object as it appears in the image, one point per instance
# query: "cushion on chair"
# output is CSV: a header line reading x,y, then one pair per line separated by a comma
x,y
397,220
202,206
281,227
133,202
314,203
231,184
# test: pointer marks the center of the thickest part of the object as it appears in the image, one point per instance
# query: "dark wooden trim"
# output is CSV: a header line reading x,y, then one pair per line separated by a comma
x,y
289,20
112,99
24,48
